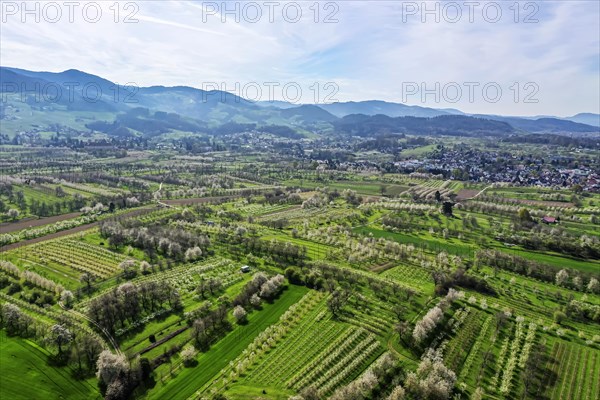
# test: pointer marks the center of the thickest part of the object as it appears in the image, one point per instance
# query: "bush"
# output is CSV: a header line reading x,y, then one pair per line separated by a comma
x,y
14,287
188,355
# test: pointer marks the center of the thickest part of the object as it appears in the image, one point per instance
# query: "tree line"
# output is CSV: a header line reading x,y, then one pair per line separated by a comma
x,y
128,303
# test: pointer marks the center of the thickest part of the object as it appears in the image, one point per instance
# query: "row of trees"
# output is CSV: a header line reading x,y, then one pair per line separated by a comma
x,y
171,242
118,376
426,325
279,251
128,303
74,347
566,277
260,287
444,280
432,379
380,381
210,325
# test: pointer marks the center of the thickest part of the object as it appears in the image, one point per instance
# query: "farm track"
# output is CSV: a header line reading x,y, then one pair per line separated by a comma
x,y
109,337
9,227
54,235
85,227
469,194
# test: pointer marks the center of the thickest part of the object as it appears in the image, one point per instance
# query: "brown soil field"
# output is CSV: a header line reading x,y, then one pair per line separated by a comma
x,y
9,227
464,194
93,224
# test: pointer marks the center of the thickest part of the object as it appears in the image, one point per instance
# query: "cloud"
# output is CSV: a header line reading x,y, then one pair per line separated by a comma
x,y
373,50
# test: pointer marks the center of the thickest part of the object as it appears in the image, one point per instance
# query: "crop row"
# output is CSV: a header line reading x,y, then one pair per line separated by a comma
x,y
359,346
48,316
466,337
178,276
501,359
266,340
259,209
410,274
90,189
511,363
295,214
375,320
475,349
577,370
352,364
83,262
150,217
304,343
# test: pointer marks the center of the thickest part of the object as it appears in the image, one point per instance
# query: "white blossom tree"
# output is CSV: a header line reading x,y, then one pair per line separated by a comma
x,y
593,285
478,394
187,354
562,277
239,314
145,268
432,380
128,268
398,393
109,366
66,297
424,327
255,300
132,202
60,336
193,253
11,315
12,213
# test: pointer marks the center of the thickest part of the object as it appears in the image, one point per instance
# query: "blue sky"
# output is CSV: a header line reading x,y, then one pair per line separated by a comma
x,y
375,50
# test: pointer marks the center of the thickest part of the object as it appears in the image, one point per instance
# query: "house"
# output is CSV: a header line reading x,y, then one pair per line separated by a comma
x,y
245,268
549,220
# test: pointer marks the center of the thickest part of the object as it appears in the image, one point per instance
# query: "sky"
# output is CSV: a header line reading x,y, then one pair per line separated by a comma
x,y
535,58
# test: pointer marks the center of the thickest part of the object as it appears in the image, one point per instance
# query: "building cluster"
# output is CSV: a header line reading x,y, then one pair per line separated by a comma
x,y
480,166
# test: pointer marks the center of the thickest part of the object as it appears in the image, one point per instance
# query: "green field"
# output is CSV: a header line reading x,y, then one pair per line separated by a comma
x,y
253,275
25,374
210,363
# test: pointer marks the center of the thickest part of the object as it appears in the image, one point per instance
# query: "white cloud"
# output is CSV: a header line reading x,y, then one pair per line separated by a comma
x,y
369,53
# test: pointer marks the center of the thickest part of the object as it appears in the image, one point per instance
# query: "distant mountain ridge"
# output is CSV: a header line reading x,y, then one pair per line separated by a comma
x,y
213,108
375,107
586,118
452,125
540,124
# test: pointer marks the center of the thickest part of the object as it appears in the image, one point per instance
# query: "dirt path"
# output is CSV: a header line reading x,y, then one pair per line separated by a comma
x,y
55,235
108,336
82,228
470,194
9,227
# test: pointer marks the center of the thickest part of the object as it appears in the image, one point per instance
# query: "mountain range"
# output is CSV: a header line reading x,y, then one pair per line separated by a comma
x,y
82,101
